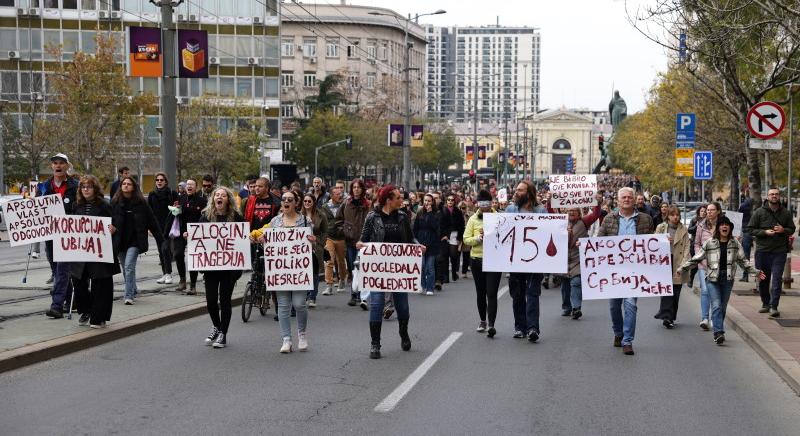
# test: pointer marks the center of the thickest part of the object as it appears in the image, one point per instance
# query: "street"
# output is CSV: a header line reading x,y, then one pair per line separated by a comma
x,y
572,382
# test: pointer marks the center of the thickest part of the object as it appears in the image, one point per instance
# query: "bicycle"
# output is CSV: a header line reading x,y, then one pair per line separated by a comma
x,y
255,292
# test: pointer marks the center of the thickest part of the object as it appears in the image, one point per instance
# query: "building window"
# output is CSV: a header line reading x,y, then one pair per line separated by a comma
x,y
287,110
309,48
352,48
287,79
353,80
286,145
370,80
309,80
332,48
372,50
287,47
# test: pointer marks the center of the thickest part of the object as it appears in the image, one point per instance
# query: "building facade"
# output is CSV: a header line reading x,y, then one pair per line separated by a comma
x,y
491,70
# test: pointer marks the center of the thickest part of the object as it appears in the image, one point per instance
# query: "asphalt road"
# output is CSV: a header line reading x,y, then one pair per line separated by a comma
x,y
572,382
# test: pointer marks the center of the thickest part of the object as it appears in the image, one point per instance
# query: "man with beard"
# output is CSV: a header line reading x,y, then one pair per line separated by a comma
x,y
335,244
525,288
349,221
66,187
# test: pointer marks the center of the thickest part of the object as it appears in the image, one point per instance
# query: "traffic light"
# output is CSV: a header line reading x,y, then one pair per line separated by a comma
x,y
349,142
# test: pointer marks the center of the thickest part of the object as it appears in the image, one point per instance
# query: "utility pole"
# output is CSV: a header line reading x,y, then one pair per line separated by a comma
x,y
2,148
169,105
406,179
475,129
525,123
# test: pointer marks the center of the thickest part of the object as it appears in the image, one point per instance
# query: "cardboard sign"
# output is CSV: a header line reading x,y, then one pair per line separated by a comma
x,y
736,218
388,267
218,246
569,191
288,259
29,220
82,238
626,266
525,242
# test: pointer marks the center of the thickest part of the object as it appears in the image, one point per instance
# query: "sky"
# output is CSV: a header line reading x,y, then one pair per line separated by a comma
x,y
588,46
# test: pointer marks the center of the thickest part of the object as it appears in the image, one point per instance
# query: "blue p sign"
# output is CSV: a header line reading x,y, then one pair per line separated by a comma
x,y
684,130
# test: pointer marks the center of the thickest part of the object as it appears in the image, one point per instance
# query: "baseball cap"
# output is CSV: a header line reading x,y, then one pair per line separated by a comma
x,y
59,156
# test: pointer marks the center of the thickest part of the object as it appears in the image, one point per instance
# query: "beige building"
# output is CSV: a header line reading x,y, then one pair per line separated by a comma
x,y
490,138
367,50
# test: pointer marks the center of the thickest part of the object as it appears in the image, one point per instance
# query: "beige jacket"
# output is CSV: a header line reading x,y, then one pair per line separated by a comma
x,y
679,248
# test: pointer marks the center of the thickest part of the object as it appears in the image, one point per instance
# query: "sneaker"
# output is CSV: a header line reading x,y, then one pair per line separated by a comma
x,y
353,301
50,280
34,254
481,327
192,291
212,336
617,341
387,311
342,286
220,341
286,347
518,334
311,303
704,324
54,314
719,338
302,343
491,331
455,276
764,309
84,319
128,301
773,313
167,279
328,289
438,286
162,279
627,350
566,312
429,293
98,326
576,314
668,324
533,336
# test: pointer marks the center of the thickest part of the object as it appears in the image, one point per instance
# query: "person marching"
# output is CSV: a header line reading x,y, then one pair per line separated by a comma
x,y
132,218
387,223
289,217
350,221
94,306
258,209
335,244
704,232
426,230
679,246
488,282
159,200
577,228
319,223
190,210
722,253
219,284
625,221
451,231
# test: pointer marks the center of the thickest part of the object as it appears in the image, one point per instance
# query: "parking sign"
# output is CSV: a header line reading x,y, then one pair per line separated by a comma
x,y
684,130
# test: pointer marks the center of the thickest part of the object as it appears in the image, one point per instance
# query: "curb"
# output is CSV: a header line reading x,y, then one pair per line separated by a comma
x,y
773,354
35,353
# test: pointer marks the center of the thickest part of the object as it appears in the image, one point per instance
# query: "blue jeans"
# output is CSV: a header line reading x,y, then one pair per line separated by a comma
x,y
625,327
575,292
378,299
61,285
719,293
287,299
428,271
128,260
772,265
747,244
705,304
352,253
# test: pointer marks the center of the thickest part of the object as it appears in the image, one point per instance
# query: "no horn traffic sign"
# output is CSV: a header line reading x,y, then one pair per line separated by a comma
x,y
766,120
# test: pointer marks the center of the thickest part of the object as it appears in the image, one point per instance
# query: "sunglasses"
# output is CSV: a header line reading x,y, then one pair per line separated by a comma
x,y
288,199
206,186
307,201
161,180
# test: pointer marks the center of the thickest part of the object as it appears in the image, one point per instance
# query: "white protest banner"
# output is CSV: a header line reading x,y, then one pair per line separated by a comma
x,y
502,195
736,218
32,188
626,266
288,259
388,267
525,242
81,238
218,246
568,190
28,220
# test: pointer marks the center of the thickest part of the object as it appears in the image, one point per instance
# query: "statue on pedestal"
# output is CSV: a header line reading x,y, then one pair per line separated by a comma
x,y
617,110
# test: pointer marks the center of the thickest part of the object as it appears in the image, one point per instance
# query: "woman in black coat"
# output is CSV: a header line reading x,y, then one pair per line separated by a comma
x,y
160,199
95,306
451,236
132,218
188,210
426,230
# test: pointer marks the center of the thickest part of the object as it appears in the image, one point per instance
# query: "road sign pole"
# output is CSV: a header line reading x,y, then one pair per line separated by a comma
x,y
703,191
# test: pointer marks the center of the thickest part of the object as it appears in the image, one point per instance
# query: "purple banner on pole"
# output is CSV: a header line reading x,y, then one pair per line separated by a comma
x,y
144,52
395,135
193,53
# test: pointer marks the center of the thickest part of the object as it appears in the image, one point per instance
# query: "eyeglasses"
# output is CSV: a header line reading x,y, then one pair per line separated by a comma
x,y
308,201
161,180
206,186
450,200
288,199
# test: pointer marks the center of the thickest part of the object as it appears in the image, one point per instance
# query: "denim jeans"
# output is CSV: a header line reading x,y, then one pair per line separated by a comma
x,y
428,271
128,260
61,285
352,253
747,244
705,304
377,301
575,292
287,299
312,293
770,288
719,293
623,326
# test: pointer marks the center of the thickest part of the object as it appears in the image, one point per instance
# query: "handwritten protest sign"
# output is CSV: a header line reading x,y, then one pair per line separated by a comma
x,y
80,238
218,246
626,266
288,259
28,220
736,218
525,242
387,267
568,190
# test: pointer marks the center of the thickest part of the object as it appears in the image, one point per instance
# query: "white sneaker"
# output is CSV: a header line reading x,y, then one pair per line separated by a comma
x,y
311,303
302,343
704,324
128,302
287,346
167,279
328,290
342,286
35,254
429,293
162,279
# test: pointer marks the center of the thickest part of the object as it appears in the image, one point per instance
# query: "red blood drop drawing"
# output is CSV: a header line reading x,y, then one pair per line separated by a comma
x,y
551,248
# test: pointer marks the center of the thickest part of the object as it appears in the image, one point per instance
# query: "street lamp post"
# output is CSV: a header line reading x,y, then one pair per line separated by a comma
x,y
406,178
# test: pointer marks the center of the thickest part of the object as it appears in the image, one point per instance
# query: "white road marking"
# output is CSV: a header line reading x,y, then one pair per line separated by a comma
x,y
391,401
502,292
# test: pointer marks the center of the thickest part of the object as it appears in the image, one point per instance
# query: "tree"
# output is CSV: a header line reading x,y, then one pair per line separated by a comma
x,y
328,96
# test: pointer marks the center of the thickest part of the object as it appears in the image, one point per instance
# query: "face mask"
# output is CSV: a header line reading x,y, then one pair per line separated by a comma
x,y
174,210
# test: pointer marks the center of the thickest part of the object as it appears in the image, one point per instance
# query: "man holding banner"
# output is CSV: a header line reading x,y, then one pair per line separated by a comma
x,y
625,221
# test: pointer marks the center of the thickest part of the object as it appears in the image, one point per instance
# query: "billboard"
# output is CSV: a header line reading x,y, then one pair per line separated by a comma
x,y
417,139
193,53
395,135
145,54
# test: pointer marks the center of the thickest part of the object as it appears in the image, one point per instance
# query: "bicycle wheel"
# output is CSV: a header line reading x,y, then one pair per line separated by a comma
x,y
247,302
263,302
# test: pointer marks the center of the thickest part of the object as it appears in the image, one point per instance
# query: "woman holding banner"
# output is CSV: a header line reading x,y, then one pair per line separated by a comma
x,y
486,283
95,306
289,217
679,246
387,223
132,217
219,284
320,225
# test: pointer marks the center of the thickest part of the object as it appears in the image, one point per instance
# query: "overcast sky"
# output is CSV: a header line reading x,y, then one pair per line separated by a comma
x,y
587,45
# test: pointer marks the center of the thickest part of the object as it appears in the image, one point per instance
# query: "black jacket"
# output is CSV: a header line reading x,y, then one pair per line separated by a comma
x,y
143,220
373,228
46,188
426,230
158,200
191,208
95,270
451,221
